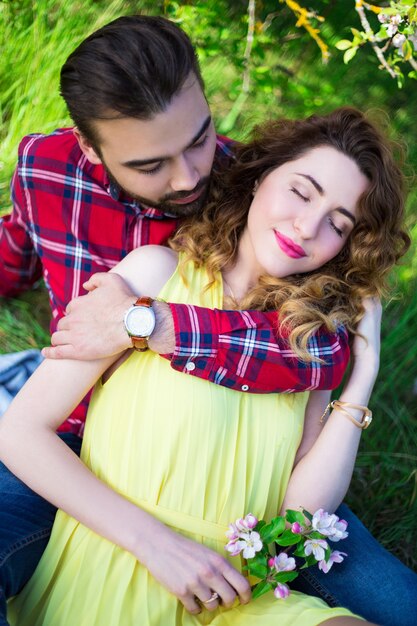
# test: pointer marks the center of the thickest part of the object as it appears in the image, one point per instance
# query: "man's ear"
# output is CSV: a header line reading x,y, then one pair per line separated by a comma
x,y
87,148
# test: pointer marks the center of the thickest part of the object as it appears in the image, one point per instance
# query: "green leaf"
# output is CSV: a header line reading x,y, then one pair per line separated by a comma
x,y
285,577
308,515
400,80
299,550
257,569
343,44
294,516
412,74
288,538
270,532
412,15
349,54
356,33
407,49
260,589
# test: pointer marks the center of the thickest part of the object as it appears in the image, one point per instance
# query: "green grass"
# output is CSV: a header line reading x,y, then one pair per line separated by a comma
x,y
35,39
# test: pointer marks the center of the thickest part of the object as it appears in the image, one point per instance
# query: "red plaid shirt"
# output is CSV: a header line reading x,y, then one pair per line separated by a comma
x,y
69,222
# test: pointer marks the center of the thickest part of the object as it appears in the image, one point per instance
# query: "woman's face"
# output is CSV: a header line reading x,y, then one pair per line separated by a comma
x,y
302,213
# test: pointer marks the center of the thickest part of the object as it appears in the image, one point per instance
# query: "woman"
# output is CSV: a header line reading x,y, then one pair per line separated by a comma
x,y
308,221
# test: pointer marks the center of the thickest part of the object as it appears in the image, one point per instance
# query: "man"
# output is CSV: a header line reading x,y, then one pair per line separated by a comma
x,y
140,158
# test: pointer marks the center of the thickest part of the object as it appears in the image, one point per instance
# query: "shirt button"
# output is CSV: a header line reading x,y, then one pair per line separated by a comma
x,y
245,387
190,366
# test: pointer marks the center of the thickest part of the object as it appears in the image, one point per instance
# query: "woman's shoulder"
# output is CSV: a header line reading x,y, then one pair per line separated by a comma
x,y
147,269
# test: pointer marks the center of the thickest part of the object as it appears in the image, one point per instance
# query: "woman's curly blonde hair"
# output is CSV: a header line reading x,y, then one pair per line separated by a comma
x,y
332,294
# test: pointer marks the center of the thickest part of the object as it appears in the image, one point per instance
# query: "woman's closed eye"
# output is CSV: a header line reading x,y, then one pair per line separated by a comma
x,y
300,195
336,229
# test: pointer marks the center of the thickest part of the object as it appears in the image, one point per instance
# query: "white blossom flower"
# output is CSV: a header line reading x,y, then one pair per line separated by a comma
x,y
283,562
249,544
335,557
391,29
323,522
339,530
317,547
398,40
329,525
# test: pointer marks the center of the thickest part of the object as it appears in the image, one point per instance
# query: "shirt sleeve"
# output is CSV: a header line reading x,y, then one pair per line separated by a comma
x,y
20,266
242,350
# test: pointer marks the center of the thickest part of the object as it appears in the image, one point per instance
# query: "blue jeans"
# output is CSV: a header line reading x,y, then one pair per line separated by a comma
x,y
25,525
370,582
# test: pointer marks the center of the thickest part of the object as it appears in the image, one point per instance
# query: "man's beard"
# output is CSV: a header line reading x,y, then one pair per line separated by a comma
x,y
164,204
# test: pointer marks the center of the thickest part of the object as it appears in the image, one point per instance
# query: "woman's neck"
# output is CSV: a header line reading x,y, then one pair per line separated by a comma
x,y
243,275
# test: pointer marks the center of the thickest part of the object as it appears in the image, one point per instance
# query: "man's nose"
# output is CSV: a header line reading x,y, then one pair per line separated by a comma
x,y
184,176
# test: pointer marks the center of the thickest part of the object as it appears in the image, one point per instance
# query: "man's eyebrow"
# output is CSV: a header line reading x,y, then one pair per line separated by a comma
x,y
140,162
320,189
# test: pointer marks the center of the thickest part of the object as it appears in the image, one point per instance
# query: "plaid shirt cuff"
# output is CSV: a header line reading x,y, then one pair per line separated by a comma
x,y
241,350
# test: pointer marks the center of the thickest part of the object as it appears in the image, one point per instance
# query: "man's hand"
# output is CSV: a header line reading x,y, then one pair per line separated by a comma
x,y
93,325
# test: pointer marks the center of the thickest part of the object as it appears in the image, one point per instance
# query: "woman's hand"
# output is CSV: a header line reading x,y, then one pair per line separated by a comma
x,y
367,345
192,572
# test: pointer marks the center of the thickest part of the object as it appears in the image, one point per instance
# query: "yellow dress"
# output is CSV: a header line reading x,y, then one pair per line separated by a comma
x,y
194,454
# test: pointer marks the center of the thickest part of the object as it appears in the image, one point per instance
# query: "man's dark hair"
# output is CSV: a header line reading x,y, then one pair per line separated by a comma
x,y
131,67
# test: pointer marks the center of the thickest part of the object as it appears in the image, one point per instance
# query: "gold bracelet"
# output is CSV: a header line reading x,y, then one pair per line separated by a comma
x,y
363,423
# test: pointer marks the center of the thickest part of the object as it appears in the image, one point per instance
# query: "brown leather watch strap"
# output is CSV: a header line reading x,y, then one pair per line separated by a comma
x,y
141,343
144,301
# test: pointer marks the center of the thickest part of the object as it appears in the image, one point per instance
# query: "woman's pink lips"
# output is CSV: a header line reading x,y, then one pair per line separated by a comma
x,y
289,247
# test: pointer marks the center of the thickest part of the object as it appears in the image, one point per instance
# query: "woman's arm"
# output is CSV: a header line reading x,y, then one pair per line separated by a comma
x,y
30,447
322,476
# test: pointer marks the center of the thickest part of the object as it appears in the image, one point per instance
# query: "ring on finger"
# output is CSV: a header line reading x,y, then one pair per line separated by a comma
x,y
214,596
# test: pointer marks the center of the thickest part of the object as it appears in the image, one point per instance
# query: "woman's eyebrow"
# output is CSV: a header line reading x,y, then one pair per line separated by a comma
x,y
320,189
313,182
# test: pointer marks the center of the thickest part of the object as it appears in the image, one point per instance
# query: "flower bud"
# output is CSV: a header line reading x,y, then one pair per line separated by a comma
x,y
296,528
281,591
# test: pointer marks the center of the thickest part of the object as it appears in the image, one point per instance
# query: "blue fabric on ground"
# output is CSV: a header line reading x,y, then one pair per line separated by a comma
x,y
15,369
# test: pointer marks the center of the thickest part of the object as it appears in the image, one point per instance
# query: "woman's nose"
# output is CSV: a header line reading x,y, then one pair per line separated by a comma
x,y
307,225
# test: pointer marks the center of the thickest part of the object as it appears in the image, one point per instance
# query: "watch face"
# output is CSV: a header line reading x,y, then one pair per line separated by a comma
x,y
140,321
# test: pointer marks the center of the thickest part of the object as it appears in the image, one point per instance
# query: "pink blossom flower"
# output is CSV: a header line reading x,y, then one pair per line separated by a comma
x,y
233,547
232,534
281,591
396,19
283,562
335,557
339,530
316,547
297,529
383,17
246,523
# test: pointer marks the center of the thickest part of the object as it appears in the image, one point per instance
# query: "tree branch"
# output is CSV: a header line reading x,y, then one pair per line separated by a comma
x,y
368,30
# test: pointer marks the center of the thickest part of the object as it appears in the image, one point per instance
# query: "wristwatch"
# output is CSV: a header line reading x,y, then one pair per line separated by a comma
x,y
139,322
